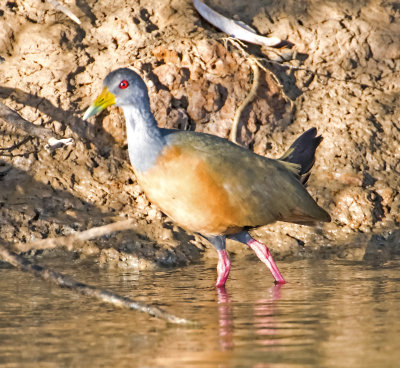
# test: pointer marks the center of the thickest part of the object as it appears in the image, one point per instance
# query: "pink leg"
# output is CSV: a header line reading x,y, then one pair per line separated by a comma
x,y
265,256
223,268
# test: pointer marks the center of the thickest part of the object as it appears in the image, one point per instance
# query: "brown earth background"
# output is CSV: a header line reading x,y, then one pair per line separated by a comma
x,y
341,75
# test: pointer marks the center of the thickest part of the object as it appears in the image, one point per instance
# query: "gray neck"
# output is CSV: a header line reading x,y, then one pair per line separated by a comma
x,y
145,141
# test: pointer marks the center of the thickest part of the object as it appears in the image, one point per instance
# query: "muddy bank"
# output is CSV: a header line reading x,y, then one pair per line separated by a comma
x,y
342,75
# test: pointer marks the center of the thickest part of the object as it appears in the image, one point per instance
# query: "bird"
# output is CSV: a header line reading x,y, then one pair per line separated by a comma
x,y
208,185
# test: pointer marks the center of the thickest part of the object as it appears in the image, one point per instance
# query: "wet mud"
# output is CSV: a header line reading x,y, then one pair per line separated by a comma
x,y
339,72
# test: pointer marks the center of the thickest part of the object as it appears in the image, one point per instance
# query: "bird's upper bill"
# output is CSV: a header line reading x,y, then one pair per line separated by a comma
x,y
105,99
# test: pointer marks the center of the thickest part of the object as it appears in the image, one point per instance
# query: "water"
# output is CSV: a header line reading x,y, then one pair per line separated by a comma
x,y
330,314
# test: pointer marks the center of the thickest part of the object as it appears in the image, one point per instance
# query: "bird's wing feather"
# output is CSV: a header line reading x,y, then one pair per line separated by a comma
x,y
262,189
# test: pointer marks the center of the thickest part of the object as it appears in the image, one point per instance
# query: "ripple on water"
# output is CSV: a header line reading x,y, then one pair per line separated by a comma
x,y
329,314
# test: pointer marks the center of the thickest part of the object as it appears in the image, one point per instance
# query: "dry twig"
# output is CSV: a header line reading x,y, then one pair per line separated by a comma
x,y
61,280
15,146
13,118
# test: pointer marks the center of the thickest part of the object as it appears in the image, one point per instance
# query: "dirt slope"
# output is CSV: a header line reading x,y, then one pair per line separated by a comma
x,y
342,75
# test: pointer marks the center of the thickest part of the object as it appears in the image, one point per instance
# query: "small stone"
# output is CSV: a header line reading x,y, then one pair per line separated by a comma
x,y
393,51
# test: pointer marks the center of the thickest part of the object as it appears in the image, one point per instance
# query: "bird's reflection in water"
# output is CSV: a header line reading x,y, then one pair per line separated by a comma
x,y
264,317
263,312
225,319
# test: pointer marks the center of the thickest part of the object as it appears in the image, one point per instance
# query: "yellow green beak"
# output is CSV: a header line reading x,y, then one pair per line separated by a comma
x,y
105,99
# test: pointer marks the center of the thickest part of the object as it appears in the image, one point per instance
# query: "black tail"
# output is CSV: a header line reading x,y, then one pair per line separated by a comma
x,y
302,153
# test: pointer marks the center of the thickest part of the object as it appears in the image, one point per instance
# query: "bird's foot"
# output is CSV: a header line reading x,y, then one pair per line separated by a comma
x,y
265,256
223,268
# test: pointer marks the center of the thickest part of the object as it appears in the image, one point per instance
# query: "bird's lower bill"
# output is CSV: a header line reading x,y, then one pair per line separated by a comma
x,y
105,99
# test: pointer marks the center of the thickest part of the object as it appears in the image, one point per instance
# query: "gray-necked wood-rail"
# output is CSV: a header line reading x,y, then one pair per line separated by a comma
x,y
207,184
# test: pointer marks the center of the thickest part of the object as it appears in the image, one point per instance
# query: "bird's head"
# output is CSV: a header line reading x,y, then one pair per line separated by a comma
x,y
122,87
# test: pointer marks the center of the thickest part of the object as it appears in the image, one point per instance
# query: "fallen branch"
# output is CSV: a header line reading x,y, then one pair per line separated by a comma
x,y
61,280
70,241
12,117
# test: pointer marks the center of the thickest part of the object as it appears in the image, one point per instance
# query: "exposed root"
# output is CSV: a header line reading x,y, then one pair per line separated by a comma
x,y
255,65
247,100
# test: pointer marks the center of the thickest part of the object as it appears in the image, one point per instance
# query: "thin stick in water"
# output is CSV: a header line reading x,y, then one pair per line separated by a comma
x,y
61,280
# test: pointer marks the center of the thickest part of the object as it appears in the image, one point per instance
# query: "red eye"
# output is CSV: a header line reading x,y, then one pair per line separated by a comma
x,y
124,84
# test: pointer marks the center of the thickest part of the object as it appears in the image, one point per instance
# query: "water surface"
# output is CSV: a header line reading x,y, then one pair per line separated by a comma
x,y
330,314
